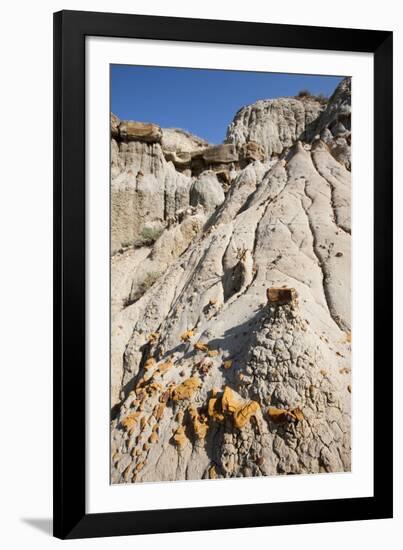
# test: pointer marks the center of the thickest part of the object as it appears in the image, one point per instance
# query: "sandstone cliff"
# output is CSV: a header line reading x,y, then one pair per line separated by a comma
x,y
231,328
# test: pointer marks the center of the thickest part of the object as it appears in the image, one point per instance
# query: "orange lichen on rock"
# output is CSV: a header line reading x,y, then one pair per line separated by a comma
x,y
186,389
228,364
130,421
201,346
186,336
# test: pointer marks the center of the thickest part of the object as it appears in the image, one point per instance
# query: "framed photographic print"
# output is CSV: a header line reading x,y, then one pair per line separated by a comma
x,y
223,274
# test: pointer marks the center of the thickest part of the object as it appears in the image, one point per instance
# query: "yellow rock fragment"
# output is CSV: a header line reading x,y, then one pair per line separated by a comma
x,y
212,473
200,423
153,337
139,466
228,364
240,410
279,416
143,422
212,353
186,336
159,411
243,415
153,438
164,367
131,420
153,388
231,402
213,410
127,473
149,363
201,346
179,437
299,415
186,389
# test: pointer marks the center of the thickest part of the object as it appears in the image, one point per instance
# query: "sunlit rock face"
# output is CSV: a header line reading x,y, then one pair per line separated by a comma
x,y
230,288
274,124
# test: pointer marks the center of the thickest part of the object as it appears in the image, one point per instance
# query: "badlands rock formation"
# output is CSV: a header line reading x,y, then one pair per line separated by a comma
x,y
231,328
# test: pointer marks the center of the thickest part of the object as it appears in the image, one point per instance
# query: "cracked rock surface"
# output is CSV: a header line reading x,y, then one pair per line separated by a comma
x,y
231,322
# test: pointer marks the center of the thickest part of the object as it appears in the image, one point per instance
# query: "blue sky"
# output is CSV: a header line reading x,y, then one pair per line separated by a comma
x,y
201,101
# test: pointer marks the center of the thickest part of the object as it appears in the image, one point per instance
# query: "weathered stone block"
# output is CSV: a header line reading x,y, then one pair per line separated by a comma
x,y
221,154
251,151
130,130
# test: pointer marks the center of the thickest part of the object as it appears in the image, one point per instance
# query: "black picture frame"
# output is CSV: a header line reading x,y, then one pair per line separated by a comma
x,y
70,30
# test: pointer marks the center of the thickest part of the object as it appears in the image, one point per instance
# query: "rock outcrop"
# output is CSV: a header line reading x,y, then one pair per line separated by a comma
x,y
231,325
333,126
275,124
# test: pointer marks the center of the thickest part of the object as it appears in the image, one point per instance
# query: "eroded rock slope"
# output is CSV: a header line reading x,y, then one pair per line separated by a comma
x,y
231,328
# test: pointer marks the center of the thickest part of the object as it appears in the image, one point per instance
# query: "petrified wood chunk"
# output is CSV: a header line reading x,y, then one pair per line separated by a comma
x,y
281,296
